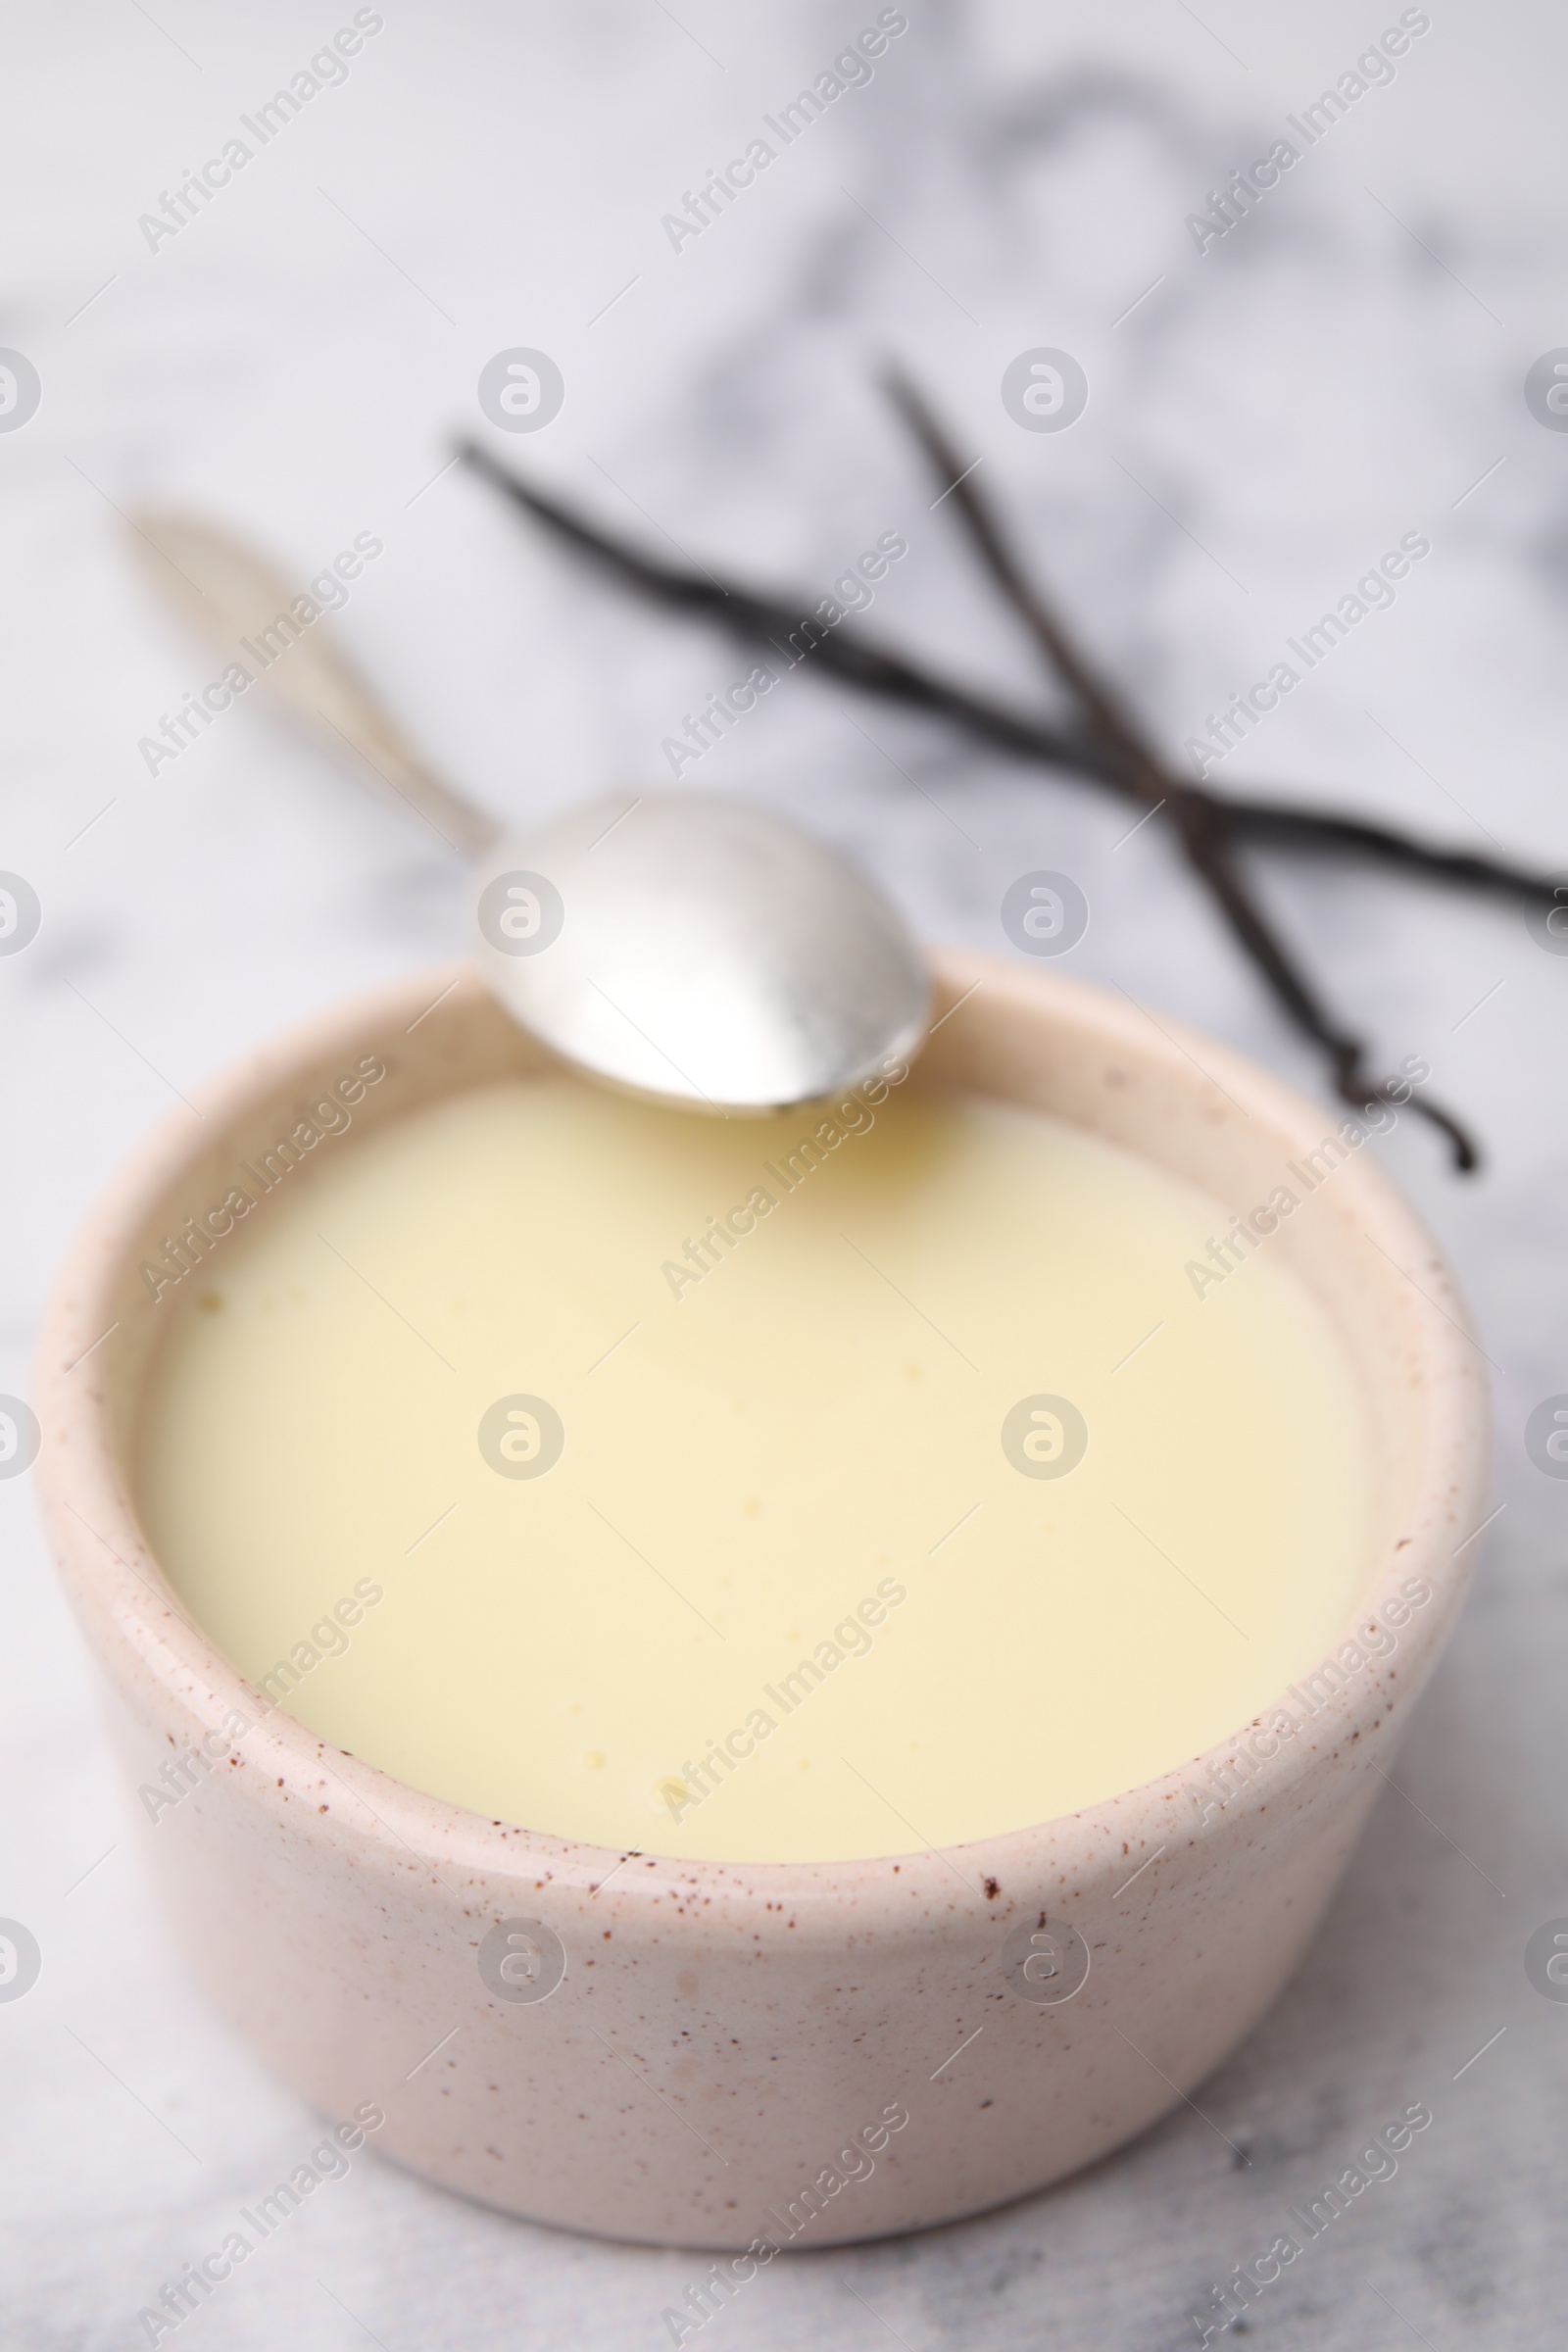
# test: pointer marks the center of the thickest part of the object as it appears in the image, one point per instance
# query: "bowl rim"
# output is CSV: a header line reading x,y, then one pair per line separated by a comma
x,y
153,1651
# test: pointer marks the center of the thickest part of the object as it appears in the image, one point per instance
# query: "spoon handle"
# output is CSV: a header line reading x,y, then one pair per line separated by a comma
x,y
243,607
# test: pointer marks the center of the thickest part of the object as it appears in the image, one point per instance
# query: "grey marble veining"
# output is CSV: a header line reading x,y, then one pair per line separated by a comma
x,y
1265,418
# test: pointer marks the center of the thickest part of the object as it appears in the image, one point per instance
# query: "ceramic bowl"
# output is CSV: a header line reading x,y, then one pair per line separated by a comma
x,y
732,2056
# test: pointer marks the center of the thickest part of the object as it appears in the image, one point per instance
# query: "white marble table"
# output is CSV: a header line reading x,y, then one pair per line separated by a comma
x,y
1343,367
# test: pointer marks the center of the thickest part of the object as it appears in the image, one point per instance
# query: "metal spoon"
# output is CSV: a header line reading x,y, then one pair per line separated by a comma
x,y
682,946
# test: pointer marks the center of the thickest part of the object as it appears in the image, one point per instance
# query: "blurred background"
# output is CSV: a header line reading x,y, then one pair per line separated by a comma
x,y
1265,417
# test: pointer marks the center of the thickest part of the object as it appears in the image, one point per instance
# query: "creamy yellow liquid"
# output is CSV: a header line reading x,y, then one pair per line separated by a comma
x,y
812,1425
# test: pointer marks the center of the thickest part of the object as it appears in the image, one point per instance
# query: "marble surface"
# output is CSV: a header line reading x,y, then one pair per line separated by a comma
x,y
1265,418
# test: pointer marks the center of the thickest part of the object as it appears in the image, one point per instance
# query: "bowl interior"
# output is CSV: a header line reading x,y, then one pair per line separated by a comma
x,y
1185,1103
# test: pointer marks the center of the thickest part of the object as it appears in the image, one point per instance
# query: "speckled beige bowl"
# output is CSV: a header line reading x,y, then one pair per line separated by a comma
x,y
740,2054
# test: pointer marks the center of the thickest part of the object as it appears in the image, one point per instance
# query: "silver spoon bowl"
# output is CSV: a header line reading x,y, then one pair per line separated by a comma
x,y
695,949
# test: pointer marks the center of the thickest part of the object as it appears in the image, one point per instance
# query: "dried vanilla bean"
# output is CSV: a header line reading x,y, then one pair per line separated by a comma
x,y
1198,818
1108,748
756,620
